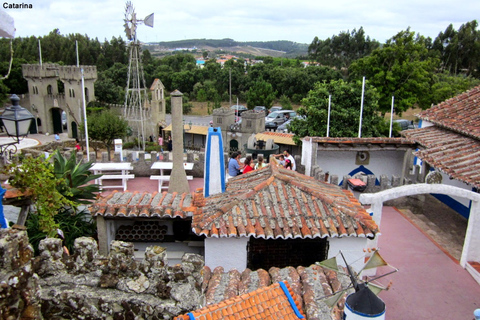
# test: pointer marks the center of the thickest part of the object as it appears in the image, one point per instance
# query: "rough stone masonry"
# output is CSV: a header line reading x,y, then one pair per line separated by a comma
x,y
87,285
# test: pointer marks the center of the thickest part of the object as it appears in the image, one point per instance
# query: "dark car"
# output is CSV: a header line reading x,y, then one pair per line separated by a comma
x,y
240,109
260,109
404,124
284,126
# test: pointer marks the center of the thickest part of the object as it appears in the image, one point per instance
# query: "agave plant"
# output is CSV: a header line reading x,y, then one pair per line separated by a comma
x,y
77,185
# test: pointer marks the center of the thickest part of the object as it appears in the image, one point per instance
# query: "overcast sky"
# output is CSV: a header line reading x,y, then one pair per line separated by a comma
x,y
246,20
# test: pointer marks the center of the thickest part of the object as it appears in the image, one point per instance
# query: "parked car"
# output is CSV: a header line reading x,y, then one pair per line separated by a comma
x,y
274,108
260,109
240,109
405,124
284,126
276,118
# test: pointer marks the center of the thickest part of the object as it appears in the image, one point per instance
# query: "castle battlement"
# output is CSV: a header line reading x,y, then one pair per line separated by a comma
x,y
75,73
46,70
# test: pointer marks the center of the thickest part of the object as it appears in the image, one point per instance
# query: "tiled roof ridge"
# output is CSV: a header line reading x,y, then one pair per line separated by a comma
x,y
263,303
308,284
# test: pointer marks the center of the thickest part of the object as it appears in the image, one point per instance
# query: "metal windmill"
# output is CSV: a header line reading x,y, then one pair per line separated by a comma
x,y
135,110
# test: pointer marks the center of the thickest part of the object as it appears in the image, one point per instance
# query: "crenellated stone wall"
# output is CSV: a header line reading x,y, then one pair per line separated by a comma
x,y
86,285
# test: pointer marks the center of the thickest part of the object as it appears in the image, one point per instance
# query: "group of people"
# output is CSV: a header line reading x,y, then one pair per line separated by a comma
x,y
236,167
286,160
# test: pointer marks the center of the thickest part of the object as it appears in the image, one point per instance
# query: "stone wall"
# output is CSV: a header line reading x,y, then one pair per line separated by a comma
x,y
86,285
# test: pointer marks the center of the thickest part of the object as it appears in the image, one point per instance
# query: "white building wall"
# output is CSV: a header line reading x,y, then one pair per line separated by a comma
x,y
352,249
341,163
228,253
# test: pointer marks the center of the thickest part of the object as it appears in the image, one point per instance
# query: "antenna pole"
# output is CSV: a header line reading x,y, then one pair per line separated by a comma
x,y
76,49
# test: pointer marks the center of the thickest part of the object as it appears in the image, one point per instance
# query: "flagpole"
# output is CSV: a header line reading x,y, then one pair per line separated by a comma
x,y
391,117
328,118
85,116
40,51
361,109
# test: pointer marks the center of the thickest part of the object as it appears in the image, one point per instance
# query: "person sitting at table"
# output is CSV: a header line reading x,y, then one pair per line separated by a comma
x,y
234,164
248,164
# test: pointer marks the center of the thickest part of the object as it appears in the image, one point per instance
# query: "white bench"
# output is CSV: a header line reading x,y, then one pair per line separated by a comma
x,y
161,179
123,177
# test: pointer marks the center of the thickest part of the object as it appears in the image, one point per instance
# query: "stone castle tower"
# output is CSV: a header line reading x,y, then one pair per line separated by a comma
x,y
158,105
47,104
235,135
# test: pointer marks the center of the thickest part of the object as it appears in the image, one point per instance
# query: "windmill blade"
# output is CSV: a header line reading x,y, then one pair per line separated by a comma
x,y
148,21
329,264
376,289
375,261
333,300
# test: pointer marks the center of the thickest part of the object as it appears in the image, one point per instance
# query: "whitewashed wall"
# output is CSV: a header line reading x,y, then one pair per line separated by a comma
x,y
341,163
352,249
226,252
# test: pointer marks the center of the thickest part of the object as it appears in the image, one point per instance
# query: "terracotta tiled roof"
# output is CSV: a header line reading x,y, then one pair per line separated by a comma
x,y
145,205
454,154
156,83
365,141
308,284
460,113
274,202
278,137
273,302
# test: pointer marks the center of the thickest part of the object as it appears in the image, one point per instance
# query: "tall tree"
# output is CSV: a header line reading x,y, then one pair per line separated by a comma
x,y
460,50
260,94
403,67
340,50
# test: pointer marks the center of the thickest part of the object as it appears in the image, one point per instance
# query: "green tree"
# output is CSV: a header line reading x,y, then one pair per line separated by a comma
x,y
460,50
446,86
403,67
260,94
105,127
341,50
345,111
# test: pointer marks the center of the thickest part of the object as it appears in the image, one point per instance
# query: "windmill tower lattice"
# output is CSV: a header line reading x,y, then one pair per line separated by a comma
x,y
135,107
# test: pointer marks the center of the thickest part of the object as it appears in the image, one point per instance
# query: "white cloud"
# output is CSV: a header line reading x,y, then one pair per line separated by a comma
x,y
246,20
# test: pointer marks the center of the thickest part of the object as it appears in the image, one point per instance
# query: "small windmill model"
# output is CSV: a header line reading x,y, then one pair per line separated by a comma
x,y
363,303
135,111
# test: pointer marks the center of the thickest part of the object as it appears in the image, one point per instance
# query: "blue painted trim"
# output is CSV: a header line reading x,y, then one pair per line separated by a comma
x,y
290,300
364,170
211,133
454,204
364,314
3,221
191,316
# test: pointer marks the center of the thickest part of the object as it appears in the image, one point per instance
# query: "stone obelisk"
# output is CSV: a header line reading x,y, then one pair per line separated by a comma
x,y
178,177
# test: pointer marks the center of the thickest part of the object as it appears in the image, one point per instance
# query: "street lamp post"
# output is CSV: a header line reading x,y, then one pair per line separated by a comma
x,y
17,121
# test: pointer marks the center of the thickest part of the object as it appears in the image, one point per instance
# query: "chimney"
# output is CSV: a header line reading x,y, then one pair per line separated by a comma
x,y
178,177
214,179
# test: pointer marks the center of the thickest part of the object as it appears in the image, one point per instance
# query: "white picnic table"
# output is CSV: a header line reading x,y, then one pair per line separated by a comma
x,y
113,171
160,165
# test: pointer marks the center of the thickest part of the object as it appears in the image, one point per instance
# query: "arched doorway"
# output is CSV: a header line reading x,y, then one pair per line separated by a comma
x,y
233,145
57,120
73,125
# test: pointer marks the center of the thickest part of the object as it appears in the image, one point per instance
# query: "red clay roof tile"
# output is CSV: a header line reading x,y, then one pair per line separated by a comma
x,y
272,302
452,153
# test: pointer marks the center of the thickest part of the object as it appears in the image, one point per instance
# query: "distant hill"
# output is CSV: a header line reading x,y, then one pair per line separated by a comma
x,y
279,48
